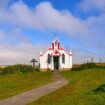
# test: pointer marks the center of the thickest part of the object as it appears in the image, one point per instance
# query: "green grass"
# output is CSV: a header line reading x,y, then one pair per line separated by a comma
x,y
79,91
12,84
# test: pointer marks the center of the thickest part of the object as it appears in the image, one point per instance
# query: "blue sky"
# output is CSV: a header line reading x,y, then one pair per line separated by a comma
x,y
26,26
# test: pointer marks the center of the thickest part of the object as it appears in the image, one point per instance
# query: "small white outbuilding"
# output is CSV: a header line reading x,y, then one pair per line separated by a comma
x,y
55,58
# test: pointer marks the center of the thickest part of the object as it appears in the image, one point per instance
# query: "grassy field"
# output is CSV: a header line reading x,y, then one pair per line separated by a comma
x,y
79,91
12,84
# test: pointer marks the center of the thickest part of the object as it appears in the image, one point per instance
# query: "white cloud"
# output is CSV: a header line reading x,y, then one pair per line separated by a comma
x,y
17,34
19,54
90,4
2,35
43,17
4,3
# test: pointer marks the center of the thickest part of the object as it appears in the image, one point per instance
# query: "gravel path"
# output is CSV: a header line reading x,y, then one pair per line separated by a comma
x,y
29,96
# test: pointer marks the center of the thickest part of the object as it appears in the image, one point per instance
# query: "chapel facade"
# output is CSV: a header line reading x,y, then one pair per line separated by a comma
x,y
55,58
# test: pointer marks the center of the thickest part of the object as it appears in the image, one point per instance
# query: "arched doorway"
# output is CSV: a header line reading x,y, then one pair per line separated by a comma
x,y
56,62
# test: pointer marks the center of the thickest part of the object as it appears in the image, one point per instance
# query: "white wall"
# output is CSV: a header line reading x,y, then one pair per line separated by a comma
x,y
45,65
43,60
68,60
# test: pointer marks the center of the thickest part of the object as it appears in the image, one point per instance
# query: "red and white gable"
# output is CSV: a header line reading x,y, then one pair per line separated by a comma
x,y
57,48
55,45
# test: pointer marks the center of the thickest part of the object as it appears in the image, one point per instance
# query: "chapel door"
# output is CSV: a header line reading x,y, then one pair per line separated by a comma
x,y
56,63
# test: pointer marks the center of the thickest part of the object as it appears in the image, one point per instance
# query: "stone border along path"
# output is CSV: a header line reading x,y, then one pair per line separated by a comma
x,y
30,96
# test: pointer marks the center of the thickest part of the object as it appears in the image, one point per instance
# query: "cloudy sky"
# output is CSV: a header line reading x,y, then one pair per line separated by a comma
x,y
26,26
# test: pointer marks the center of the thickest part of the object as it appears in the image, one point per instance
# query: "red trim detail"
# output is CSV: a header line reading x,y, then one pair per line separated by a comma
x,y
56,53
51,47
59,47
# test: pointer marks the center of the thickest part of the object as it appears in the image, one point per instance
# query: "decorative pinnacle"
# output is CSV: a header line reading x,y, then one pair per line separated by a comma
x,y
70,51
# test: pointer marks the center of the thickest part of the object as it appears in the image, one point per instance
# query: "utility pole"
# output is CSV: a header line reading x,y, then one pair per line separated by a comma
x,y
100,60
91,60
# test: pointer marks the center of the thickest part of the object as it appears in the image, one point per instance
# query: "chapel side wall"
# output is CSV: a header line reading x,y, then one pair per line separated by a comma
x,y
68,61
44,66
43,63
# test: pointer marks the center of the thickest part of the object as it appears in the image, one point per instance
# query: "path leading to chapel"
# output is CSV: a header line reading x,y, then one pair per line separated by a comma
x,y
29,96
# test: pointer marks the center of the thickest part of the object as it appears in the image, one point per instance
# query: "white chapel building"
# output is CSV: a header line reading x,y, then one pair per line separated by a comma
x,y
55,58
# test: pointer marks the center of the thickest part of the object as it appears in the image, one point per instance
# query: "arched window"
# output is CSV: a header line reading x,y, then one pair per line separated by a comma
x,y
63,58
56,43
49,59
